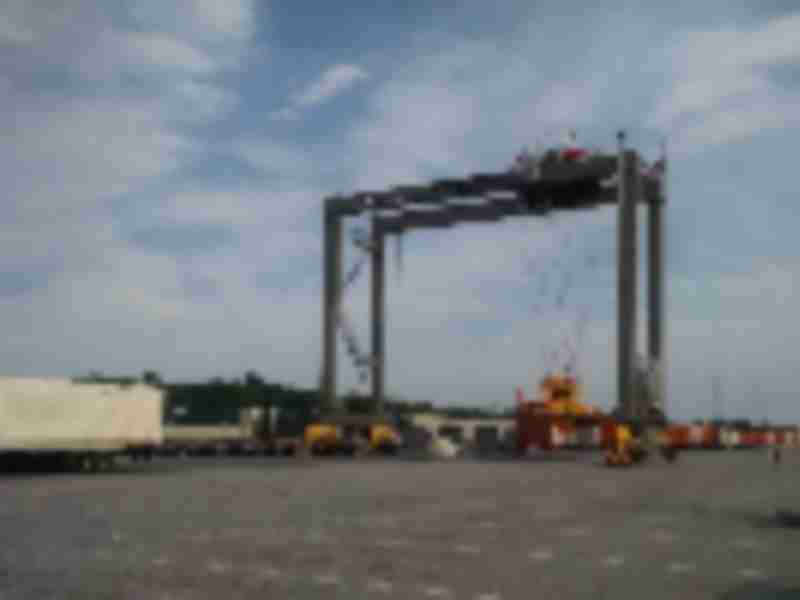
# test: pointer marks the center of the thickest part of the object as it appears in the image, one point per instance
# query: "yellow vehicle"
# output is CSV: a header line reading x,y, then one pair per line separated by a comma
x,y
351,435
384,438
324,438
618,454
627,449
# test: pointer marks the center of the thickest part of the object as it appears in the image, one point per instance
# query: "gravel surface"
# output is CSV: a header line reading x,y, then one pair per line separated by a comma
x,y
493,530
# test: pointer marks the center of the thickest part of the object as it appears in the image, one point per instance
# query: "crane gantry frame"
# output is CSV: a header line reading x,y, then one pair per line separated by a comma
x,y
535,190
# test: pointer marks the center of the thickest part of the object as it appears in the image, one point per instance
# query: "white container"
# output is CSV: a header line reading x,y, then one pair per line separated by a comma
x,y
557,437
60,415
736,439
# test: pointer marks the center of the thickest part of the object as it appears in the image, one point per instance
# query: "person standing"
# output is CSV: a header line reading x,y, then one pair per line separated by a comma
x,y
775,455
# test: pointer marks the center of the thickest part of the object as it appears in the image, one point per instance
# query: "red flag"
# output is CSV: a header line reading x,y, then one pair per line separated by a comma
x,y
657,170
572,152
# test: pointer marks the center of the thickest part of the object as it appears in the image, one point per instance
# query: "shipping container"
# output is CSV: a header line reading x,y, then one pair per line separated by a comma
x,y
77,424
678,436
695,436
710,437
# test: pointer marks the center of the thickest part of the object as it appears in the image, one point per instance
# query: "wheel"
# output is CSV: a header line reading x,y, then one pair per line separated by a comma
x,y
387,449
670,454
86,463
107,462
638,454
96,462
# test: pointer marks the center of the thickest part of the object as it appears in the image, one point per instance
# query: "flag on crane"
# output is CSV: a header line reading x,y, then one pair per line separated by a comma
x,y
572,152
658,169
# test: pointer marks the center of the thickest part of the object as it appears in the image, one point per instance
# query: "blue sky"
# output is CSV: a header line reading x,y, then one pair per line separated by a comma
x,y
164,165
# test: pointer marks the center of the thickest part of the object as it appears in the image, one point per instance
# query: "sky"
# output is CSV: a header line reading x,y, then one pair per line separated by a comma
x,y
164,166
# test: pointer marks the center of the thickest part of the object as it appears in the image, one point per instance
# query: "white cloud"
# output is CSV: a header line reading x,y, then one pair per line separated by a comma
x,y
23,22
723,92
96,146
277,159
157,59
334,81
287,113
71,156
467,105
161,51
101,302
418,128
131,312
275,209
224,20
90,150
744,338
15,33
775,41
195,101
758,113
205,21
207,206
705,94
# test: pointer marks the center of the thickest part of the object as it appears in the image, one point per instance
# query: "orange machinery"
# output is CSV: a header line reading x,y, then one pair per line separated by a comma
x,y
559,418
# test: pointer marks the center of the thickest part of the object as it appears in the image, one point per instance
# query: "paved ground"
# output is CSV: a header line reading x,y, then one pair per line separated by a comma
x,y
303,529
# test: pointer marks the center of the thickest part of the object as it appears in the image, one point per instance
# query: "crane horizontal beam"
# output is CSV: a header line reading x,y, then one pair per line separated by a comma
x,y
556,186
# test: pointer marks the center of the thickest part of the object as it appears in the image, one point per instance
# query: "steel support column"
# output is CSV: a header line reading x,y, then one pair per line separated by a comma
x,y
655,313
626,280
332,298
378,313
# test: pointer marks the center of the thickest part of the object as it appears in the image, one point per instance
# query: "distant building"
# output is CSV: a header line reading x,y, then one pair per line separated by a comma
x,y
472,432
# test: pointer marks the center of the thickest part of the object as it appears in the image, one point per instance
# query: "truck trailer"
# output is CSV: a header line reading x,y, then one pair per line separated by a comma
x,y
63,424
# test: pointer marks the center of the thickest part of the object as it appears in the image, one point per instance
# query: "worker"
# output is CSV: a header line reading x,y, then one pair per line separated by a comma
x,y
775,455
668,451
622,442
623,437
